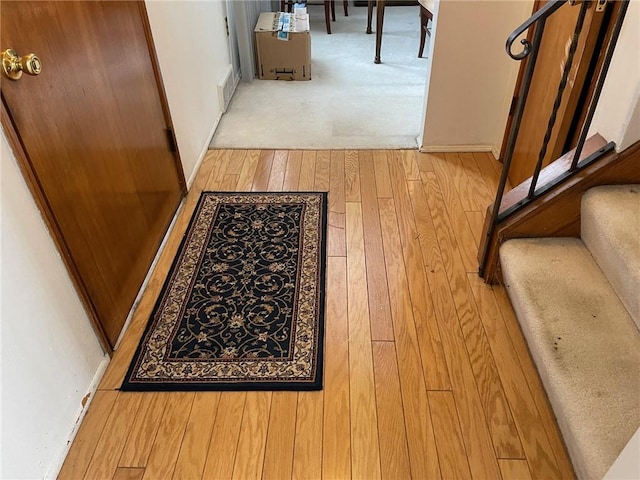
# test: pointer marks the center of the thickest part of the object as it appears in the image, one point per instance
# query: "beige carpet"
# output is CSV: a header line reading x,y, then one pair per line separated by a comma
x,y
350,101
582,338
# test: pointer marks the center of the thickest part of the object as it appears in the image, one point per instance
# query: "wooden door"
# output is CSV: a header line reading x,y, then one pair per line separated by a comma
x,y
96,144
552,57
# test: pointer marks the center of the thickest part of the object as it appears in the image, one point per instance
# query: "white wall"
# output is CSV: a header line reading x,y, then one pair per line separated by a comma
x,y
617,117
193,52
472,78
49,354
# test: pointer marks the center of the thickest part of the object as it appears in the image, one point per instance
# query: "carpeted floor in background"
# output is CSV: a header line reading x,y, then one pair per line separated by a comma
x,y
350,102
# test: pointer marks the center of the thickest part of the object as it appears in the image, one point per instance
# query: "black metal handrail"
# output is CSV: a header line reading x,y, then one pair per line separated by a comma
x,y
530,53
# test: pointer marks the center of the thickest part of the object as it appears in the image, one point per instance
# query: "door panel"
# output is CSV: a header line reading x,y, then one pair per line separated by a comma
x,y
94,131
552,57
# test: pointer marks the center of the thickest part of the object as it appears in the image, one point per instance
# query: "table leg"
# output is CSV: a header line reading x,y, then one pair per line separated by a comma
x,y
379,23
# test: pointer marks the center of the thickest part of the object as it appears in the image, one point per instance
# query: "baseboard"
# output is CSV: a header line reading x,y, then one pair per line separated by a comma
x,y
204,151
456,148
495,151
55,468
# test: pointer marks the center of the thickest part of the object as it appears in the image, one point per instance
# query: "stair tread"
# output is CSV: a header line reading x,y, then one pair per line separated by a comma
x,y
583,341
610,228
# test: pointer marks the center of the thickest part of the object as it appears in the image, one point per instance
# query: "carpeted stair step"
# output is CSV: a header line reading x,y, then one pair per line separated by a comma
x,y
611,231
584,343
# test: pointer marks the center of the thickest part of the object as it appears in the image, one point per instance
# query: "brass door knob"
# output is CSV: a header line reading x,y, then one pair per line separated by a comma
x,y
13,65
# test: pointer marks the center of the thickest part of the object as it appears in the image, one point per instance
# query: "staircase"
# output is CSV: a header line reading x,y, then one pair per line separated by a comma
x,y
578,304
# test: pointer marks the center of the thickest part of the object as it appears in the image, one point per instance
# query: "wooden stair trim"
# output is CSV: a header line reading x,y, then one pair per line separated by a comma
x,y
557,214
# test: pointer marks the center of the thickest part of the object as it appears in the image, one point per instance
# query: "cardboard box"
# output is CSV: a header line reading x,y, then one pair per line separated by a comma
x,y
283,45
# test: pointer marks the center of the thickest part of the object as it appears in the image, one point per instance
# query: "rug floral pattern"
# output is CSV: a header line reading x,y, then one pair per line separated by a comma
x,y
242,305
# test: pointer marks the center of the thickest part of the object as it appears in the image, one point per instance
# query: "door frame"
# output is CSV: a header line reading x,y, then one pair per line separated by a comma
x,y
40,198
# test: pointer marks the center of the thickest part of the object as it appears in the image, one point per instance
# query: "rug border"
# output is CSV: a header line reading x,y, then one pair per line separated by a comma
x,y
126,386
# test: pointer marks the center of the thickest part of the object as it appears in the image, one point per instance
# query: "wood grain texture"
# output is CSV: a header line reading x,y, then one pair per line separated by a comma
x,y
128,473
365,453
143,430
197,436
433,362
253,436
336,449
425,164
308,448
237,162
410,164
336,246
451,453
514,469
352,429
394,456
84,444
497,412
224,437
464,237
278,456
379,310
383,182
109,448
481,194
476,222
352,176
292,175
421,442
166,447
322,178
278,170
263,170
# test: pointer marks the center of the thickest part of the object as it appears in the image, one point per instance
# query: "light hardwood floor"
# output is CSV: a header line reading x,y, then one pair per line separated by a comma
x,y
427,374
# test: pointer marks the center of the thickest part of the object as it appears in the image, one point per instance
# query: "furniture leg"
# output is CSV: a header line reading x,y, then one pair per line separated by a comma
x,y
333,10
379,23
369,15
425,16
326,15
345,3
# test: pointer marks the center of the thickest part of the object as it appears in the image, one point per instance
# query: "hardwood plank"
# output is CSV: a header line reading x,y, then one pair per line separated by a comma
x,y
352,176
476,223
216,178
514,469
236,163
249,167
477,439
278,170
434,365
451,452
521,352
425,164
229,183
490,169
109,448
410,164
84,444
464,236
381,165
263,170
195,443
307,171
323,167
224,437
253,436
420,438
164,453
379,310
365,453
501,425
123,473
463,187
394,458
481,195
143,431
336,246
278,455
307,452
292,175
336,448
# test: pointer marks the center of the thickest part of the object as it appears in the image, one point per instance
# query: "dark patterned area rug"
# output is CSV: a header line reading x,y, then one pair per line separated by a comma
x,y
243,305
